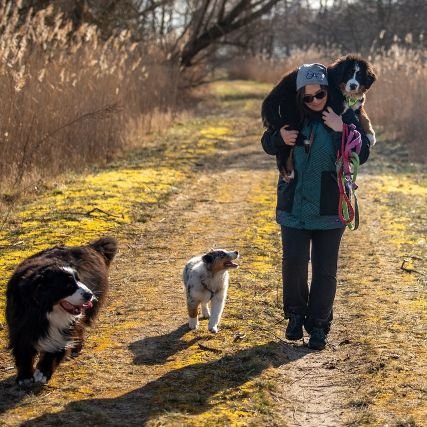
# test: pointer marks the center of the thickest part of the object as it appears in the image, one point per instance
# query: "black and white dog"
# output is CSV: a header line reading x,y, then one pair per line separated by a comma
x,y
51,297
351,77
206,281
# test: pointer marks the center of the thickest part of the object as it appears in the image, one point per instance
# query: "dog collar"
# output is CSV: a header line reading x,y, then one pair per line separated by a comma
x,y
351,101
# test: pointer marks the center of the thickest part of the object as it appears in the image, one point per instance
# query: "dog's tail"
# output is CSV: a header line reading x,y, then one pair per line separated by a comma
x,y
106,246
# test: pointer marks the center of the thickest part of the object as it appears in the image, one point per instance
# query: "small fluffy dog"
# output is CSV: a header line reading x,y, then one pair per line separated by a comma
x,y
349,78
206,280
50,299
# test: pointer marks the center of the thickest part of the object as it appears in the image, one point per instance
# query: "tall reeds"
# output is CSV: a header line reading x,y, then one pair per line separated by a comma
x,y
396,103
270,70
67,97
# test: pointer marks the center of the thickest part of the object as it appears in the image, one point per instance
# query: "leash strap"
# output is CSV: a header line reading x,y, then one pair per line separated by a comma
x,y
347,166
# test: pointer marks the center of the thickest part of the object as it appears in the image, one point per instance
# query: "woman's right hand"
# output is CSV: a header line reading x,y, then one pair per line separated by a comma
x,y
289,136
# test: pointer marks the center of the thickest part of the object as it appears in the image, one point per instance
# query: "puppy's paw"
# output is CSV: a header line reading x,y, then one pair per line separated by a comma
x,y
288,177
193,323
77,348
206,314
372,139
39,377
25,382
214,329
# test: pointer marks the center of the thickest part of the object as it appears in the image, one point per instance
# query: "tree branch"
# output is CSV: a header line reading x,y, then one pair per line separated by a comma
x,y
224,24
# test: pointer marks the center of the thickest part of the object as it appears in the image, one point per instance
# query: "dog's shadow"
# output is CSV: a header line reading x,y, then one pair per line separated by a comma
x,y
187,390
11,394
158,349
149,351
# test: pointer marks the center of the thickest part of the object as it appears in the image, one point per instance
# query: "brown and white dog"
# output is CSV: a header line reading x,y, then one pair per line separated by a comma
x,y
51,297
206,281
353,76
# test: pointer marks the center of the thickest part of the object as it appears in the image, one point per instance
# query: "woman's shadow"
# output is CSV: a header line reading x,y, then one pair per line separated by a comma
x,y
187,390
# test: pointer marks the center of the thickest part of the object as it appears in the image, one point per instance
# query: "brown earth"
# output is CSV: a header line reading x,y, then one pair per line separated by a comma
x,y
142,366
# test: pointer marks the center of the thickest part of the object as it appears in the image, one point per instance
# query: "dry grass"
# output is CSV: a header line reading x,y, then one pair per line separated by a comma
x,y
270,70
69,98
397,103
217,188
164,374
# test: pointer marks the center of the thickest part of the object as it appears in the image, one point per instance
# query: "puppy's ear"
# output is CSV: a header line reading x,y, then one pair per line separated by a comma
x,y
43,279
335,73
370,77
207,259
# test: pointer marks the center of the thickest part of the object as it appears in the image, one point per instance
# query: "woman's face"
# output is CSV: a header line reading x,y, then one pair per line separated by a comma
x,y
312,94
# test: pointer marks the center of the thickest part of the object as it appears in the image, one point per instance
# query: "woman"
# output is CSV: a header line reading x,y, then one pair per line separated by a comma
x,y
307,205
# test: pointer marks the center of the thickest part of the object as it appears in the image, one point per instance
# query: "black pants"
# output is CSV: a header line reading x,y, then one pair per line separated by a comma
x,y
314,302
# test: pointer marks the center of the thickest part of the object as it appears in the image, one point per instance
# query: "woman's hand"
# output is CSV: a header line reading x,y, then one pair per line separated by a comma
x,y
289,136
332,120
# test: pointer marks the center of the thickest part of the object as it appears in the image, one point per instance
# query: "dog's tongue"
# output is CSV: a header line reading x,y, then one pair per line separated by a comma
x,y
231,264
87,305
75,309
70,308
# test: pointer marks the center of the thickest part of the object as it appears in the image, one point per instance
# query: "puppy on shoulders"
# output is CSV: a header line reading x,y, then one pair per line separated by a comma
x,y
206,284
350,78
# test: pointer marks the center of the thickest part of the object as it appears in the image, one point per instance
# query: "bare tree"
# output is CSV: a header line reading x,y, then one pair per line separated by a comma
x,y
189,30
350,25
212,20
195,32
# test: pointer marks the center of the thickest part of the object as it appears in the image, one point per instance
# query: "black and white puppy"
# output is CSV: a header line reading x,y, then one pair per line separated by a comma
x,y
351,77
206,281
51,297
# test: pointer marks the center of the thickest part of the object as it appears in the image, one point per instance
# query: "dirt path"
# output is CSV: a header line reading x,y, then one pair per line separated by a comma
x,y
142,366
373,372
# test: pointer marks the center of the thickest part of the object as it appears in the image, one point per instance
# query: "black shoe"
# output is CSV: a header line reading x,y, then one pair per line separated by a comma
x,y
310,323
294,328
317,339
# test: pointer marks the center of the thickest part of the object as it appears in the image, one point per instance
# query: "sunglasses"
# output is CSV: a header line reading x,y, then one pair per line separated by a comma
x,y
310,98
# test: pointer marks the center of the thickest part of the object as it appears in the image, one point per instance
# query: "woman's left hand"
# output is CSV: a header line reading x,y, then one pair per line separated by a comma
x,y
332,120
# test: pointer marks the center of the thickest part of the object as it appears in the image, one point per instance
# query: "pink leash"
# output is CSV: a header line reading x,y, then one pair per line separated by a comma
x,y
347,167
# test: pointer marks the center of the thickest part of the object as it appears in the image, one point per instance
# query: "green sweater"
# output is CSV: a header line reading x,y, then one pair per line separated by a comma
x,y
310,200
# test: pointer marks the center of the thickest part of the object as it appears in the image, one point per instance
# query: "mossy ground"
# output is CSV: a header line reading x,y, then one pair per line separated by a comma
x,y
206,183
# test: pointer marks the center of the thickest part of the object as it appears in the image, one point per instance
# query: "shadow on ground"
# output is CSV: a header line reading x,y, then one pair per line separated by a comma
x,y
185,391
11,395
156,350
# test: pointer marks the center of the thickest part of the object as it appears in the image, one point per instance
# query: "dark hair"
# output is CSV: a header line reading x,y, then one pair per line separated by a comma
x,y
303,110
